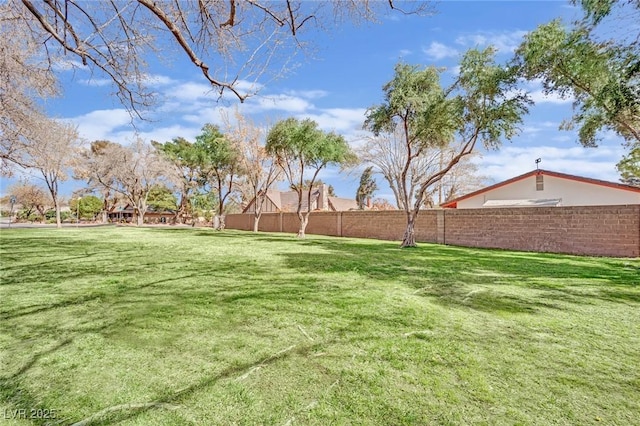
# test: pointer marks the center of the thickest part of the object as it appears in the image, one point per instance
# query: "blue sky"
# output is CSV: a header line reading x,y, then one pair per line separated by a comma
x,y
343,77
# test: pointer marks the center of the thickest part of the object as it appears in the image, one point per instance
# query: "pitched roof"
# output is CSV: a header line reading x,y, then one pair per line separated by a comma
x,y
338,204
287,201
454,202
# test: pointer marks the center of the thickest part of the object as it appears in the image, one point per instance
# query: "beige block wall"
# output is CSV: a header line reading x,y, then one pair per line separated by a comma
x,y
587,230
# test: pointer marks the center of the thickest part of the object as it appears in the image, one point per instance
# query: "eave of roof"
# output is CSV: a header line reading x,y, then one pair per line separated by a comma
x,y
453,203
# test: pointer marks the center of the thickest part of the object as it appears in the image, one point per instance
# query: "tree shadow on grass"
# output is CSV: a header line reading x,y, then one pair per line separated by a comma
x,y
136,308
451,275
81,300
485,299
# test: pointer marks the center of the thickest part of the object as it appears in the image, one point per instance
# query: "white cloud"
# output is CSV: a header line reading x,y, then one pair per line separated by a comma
x,y
504,42
67,65
439,51
248,86
101,124
510,161
157,80
281,102
561,138
338,119
160,134
539,97
534,88
308,94
208,114
402,53
95,82
191,91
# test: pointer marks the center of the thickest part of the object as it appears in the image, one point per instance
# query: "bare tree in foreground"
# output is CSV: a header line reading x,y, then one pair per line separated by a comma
x,y
24,77
227,41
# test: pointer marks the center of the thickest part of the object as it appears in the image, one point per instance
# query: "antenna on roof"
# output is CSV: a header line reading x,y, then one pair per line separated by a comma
x,y
538,160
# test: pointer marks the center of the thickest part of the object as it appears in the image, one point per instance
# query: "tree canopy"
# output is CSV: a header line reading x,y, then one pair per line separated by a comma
x,y
220,165
420,118
601,75
629,168
183,156
302,149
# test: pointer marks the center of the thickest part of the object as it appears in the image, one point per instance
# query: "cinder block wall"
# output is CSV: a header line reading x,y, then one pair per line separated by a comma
x,y
589,230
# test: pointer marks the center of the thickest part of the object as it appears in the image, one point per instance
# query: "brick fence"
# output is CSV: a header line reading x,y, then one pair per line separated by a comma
x,y
588,230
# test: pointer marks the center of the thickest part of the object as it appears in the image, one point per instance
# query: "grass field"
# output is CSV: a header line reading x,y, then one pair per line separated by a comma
x,y
189,326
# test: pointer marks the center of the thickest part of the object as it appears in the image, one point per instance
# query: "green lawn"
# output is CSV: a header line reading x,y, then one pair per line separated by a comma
x,y
190,326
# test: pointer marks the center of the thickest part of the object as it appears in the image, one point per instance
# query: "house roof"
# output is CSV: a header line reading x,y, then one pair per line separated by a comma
x,y
453,203
285,201
342,204
288,201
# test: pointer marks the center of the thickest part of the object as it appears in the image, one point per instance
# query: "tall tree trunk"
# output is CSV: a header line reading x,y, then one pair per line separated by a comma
x,y
256,221
218,222
409,239
139,216
105,217
304,220
257,210
182,210
58,219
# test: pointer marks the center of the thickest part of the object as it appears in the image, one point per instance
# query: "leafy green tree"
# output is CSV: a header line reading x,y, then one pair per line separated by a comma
x,y
629,168
90,206
367,187
183,156
300,147
203,203
602,76
220,166
481,106
162,198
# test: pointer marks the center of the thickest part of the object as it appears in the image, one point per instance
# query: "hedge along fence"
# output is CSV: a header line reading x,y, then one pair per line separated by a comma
x,y
583,230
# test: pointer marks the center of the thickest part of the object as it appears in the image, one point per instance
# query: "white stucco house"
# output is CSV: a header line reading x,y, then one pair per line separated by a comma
x,y
547,188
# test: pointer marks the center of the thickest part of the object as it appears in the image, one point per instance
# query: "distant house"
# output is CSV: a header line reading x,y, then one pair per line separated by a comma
x,y
543,188
287,201
126,214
